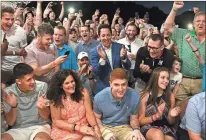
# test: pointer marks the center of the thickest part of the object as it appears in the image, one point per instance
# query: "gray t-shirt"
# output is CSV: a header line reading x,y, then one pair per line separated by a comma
x,y
27,110
41,57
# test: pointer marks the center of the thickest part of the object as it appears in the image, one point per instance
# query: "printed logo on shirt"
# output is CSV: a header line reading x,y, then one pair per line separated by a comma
x,y
173,82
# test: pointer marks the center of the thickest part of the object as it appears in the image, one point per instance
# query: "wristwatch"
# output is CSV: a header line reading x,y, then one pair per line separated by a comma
x,y
14,53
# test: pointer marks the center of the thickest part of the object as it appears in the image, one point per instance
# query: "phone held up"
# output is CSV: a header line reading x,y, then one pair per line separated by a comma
x,y
67,53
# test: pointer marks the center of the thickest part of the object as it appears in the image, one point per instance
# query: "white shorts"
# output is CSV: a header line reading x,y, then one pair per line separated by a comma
x,y
28,133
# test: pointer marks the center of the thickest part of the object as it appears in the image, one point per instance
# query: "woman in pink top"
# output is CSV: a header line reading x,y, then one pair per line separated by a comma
x,y
71,110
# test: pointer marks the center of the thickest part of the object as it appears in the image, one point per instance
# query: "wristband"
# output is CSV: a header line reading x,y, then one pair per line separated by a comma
x,y
73,128
152,118
14,106
174,10
54,64
14,53
195,50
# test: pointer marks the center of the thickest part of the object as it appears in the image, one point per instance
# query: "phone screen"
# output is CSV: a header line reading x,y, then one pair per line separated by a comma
x,y
67,53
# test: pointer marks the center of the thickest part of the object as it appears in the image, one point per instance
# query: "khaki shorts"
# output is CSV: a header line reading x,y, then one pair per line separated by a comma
x,y
188,87
28,133
121,132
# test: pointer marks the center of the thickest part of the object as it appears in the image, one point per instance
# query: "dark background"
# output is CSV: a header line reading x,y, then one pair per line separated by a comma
x,y
128,9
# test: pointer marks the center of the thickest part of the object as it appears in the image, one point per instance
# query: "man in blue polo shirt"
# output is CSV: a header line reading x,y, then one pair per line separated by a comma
x,y
25,106
59,40
116,108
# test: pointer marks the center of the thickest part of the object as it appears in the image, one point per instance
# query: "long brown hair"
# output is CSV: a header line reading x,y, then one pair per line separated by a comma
x,y
153,87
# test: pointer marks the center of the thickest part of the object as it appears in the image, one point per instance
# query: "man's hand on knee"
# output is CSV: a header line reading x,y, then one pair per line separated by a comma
x,y
107,134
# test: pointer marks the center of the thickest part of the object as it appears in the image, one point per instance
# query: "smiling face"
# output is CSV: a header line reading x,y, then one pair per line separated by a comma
x,y
7,20
69,85
52,16
45,40
26,83
199,24
163,80
154,48
119,88
117,27
105,37
131,32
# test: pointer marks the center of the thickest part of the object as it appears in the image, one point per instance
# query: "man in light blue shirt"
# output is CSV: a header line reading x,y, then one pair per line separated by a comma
x,y
194,118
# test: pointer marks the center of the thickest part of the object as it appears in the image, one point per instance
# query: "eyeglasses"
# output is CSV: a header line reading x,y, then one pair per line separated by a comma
x,y
153,48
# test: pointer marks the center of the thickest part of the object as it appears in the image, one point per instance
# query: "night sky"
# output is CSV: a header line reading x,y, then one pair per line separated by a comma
x,y
128,8
166,6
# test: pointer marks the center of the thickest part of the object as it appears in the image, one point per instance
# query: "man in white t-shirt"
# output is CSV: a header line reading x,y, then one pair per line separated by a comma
x,y
16,38
132,43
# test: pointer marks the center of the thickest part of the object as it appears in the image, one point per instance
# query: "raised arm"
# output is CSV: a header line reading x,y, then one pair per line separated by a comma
x,y
62,11
116,16
38,14
194,49
169,23
40,70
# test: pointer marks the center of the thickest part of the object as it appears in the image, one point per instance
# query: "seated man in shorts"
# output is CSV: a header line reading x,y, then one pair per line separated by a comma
x,y
25,106
116,108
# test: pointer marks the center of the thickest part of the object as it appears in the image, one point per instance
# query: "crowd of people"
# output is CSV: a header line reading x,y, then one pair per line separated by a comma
x,y
66,79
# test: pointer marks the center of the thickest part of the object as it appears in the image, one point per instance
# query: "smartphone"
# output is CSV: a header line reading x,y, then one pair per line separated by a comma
x,y
67,53
136,15
65,19
4,38
54,3
118,11
76,14
155,28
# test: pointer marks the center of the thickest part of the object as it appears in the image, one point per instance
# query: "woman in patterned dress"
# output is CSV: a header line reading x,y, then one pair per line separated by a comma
x,y
71,109
156,116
